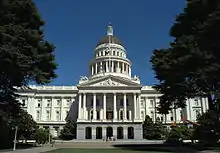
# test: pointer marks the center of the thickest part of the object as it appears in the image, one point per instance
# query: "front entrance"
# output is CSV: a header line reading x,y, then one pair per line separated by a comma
x,y
109,115
109,132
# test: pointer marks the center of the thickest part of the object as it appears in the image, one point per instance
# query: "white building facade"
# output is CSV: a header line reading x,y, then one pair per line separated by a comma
x,y
108,103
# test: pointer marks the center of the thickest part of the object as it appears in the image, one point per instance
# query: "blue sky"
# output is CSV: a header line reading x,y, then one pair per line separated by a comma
x,y
75,27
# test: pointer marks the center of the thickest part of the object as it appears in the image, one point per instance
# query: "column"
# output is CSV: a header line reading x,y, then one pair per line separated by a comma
x,y
84,106
130,115
112,66
53,114
138,106
94,107
62,118
79,106
118,68
125,107
123,67
104,106
129,70
92,70
115,109
96,68
135,106
106,66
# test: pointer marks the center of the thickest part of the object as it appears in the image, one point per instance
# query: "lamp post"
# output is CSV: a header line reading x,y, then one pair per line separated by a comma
x,y
15,138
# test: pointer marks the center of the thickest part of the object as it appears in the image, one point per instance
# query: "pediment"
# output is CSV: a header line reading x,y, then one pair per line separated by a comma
x,y
110,81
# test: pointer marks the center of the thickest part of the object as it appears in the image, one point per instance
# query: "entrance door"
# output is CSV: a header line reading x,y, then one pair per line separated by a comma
x,y
109,115
109,132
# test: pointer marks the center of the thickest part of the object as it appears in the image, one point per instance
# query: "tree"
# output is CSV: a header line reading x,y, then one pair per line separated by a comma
x,y
153,130
26,126
190,66
25,56
209,129
69,130
42,136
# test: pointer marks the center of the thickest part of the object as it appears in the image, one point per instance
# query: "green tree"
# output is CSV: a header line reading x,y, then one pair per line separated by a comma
x,y
26,125
179,132
69,130
42,136
25,56
190,66
209,129
153,130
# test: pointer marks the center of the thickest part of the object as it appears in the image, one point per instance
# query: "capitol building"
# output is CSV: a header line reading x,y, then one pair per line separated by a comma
x,y
107,103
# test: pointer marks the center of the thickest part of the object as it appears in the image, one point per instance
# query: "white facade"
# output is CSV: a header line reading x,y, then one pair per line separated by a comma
x,y
108,103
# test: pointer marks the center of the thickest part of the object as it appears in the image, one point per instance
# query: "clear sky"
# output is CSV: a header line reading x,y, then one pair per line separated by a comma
x,y
75,27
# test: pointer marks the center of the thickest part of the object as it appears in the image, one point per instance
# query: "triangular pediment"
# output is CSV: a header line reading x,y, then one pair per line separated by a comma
x,y
110,81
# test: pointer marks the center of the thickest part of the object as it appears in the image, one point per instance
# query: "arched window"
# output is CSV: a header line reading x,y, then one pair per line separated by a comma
x,y
99,133
120,134
88,133
121,115
130,133
91,115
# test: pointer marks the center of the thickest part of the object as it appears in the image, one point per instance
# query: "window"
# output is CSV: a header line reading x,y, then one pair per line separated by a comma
x,y
47,115
196,102
128,116
23,102
142,102
97,102
67,102
121,115
58,102
152,115
152,103
197,113
98,115
91,114
127,102
48,103
121,102
39,103
57,115
91,102
38,116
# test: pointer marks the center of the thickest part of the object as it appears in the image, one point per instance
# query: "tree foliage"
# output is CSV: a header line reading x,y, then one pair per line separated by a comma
x,y
153,130
69,130
25,55
42,136
209,129
190,66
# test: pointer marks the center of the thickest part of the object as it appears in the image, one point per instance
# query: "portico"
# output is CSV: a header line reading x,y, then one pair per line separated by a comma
x,y
108,106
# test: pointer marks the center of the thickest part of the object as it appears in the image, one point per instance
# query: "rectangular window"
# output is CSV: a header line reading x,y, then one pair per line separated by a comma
x,y
23,103
97,102
48,103
58,102
38,116
152,103
121,102
58,115
47,115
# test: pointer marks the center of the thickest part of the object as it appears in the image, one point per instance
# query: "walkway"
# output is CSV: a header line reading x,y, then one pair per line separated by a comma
x,y
32,150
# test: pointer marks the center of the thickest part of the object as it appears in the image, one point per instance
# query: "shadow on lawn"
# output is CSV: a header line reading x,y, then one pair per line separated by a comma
x,y
179,148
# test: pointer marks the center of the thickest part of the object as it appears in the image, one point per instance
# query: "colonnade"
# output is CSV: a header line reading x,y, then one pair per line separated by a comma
x,y
82,109
111,66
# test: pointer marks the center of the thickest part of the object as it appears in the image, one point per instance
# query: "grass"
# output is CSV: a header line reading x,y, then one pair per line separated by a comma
x,y
71,150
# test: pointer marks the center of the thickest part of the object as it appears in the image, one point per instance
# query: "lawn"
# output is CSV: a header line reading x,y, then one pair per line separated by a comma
x,y
68,150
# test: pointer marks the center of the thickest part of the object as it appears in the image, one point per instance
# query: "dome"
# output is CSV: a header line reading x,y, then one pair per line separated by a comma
x,y
110,39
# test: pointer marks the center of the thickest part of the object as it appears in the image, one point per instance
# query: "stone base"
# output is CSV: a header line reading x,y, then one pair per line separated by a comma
x,y
137,127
